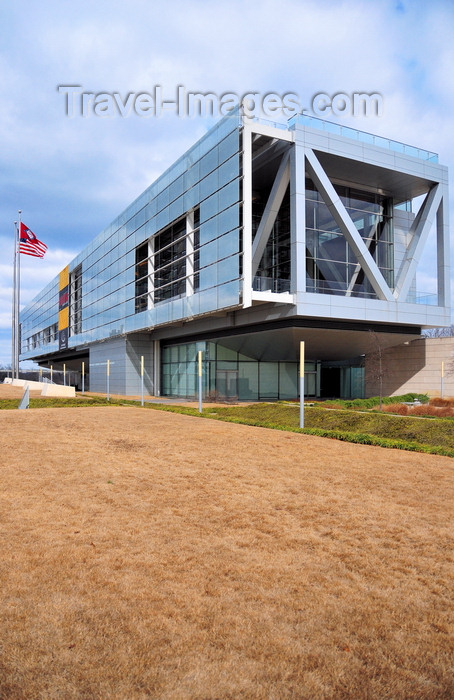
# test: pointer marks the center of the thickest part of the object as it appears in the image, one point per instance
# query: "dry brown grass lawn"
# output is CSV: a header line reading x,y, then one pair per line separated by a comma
x,y
7,391
153,555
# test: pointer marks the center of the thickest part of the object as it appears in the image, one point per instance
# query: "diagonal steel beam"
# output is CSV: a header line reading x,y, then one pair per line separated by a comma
x,y
355,275
347,227
419,231
272,207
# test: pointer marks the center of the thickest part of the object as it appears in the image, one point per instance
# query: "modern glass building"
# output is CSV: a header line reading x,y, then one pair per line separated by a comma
x,y
260,236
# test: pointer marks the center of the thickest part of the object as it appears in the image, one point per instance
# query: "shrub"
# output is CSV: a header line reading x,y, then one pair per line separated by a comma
x,y
365,404
424,411
443,412
447,412
441,403
437,401
400,408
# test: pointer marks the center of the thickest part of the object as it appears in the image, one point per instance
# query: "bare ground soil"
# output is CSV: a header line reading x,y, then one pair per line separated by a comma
x,y
151,555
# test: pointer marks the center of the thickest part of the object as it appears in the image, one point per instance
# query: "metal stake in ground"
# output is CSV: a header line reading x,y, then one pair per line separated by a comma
x,y
302,384
141,378
200,380
442,379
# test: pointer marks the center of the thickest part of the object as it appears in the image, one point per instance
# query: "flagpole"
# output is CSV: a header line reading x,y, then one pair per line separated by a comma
x,y
13,317
26,242
18,294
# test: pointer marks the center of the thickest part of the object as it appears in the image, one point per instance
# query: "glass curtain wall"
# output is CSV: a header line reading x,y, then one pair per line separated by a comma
x,y
229,375
118,295
170,262
75,301
38,326
332,267
141,283
273,273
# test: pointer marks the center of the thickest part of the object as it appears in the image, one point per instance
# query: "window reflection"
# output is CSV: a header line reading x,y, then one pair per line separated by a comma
x,y
331,265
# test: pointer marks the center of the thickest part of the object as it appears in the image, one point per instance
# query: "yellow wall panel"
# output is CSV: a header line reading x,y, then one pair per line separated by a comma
x,y
63,319
64,278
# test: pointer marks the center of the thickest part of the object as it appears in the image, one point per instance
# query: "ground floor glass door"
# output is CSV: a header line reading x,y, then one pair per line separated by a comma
x,y
227,384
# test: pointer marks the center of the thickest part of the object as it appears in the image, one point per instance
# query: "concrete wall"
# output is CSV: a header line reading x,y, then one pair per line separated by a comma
x,y
115,351
58,390
413,367
46,388
124,355
139,345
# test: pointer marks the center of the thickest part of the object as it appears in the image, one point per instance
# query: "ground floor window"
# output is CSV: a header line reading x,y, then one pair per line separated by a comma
x,y
341,379
229,375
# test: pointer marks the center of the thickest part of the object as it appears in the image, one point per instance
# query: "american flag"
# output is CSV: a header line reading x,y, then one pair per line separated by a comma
x,y
29,244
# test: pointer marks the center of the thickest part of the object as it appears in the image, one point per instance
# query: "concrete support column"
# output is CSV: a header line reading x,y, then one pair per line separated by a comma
x,y
247,217
443,265
190,253
151,273
297,220
157,367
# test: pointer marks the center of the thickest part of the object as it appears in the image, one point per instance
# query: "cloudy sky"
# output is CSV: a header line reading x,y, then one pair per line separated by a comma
x,y
71,176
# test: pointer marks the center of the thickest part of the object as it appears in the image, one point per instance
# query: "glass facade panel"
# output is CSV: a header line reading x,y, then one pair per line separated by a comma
x,y
208,276
208,185
228,195
229,170
141,291
227,269
248,381
288,380
209,208
208,253
228,244
224,353
229,219
228,293
226,364
229,375
269,380
273,272
228,147
331,265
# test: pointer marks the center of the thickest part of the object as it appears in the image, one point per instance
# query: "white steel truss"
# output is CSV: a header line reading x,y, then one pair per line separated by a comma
x,y
348,228
433,210
272,207
419,232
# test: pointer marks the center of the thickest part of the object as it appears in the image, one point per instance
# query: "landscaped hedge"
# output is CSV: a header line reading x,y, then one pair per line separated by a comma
x,y
375,401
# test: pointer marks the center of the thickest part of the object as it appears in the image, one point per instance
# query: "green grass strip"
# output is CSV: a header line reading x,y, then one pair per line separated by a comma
x,y
9,404
264,416
375,401
358,438
345,436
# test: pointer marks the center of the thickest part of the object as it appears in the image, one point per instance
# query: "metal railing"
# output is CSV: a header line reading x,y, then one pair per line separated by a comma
x,y
363,136
268,284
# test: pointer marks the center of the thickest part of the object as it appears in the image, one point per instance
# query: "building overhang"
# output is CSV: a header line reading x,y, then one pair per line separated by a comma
x,y
402,185
279,341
